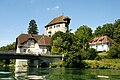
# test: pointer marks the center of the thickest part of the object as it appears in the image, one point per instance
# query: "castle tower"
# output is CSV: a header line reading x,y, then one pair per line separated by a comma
x,y
60,23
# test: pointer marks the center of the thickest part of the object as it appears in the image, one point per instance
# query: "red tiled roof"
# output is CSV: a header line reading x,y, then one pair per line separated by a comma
x,y
40,39
59,19
100,40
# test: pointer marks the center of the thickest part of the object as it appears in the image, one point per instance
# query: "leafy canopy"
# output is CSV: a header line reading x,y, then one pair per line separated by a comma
x,y
84,34
64,42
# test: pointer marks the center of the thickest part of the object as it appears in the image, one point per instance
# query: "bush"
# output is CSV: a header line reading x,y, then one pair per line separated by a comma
x,y
92,53
102,55
57,64
72,60
103,64
114,51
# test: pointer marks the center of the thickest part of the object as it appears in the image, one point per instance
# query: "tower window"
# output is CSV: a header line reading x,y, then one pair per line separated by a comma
x,y
57,25
50,28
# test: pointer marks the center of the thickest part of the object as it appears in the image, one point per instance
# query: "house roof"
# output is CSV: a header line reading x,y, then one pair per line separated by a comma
x,y
100,40
59,19
40,39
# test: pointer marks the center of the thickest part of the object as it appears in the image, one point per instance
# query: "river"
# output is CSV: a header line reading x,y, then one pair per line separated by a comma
x,y
26,73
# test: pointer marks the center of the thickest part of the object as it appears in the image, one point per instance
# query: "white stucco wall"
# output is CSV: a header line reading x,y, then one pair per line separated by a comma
x,y
100,47
54,29
18,49
34,50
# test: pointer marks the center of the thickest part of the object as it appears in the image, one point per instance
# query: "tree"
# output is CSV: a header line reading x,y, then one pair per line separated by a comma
x,y
98,31
117,23
56,48
64,43
91,54
73,60
84,34
116,36
32,29
114,51
8,47
105,30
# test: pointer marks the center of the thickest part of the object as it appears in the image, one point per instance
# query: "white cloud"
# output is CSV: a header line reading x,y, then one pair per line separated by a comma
x,y
57,7
53,8
48,9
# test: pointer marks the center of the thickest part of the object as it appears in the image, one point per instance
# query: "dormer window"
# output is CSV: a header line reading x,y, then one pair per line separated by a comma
x,y
28,44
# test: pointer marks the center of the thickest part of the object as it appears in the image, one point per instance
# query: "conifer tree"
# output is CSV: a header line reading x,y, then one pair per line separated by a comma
x,y
32,29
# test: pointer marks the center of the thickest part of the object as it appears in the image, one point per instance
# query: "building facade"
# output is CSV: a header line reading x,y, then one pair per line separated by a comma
x,y
60,23
33,44
102,43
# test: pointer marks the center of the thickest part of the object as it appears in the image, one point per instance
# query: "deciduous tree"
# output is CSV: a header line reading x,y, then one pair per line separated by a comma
x,y
84,34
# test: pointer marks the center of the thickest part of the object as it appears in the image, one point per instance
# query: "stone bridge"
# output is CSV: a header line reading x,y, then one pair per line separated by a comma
x,y
23,59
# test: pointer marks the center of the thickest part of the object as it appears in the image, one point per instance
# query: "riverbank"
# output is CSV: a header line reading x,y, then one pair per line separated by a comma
x,y
102,64
94,64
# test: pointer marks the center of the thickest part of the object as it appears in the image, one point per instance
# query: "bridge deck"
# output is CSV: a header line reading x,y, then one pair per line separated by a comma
x,y
13,55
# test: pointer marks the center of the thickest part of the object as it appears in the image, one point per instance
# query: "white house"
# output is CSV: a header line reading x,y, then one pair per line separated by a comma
x,y
33,44
60,23
102,43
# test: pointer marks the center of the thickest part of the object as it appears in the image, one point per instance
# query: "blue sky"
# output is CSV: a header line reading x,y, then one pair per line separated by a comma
x,y
15,15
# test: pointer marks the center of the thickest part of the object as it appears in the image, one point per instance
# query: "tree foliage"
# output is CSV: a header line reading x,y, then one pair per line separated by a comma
x,y
114,51
73,60
69,45
84,34
32,29
105,30
88,54
64,42
10,47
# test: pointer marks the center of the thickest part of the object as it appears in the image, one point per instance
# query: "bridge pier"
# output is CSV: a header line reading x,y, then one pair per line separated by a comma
x,y
25,62
21,62
33,63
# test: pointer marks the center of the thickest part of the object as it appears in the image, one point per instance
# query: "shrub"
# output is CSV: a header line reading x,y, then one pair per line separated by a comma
x,y
114,51
73,60
57,64
102,55
92,53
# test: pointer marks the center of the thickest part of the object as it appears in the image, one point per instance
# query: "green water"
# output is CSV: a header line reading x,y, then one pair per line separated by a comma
x,y
24,73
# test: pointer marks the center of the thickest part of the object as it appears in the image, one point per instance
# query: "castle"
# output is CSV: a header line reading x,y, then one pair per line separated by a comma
x,y
60,23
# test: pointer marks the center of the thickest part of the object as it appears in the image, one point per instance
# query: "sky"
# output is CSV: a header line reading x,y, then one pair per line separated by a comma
x,y
15,15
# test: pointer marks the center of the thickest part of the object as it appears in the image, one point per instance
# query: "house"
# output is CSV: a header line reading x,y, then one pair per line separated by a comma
x,y
33,44
102,43
60,23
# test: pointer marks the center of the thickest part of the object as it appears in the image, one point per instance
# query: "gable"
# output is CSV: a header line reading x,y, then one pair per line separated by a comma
x,y
59,19
101,40
22,39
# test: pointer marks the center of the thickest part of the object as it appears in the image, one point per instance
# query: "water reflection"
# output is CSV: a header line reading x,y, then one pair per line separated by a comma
x,y
6,73
27,73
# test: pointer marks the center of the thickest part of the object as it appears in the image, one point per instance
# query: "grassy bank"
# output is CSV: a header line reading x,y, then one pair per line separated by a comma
x,y
102,64
94,64
56,64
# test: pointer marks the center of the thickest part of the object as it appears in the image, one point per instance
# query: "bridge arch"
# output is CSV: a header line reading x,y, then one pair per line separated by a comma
x,y
44,64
